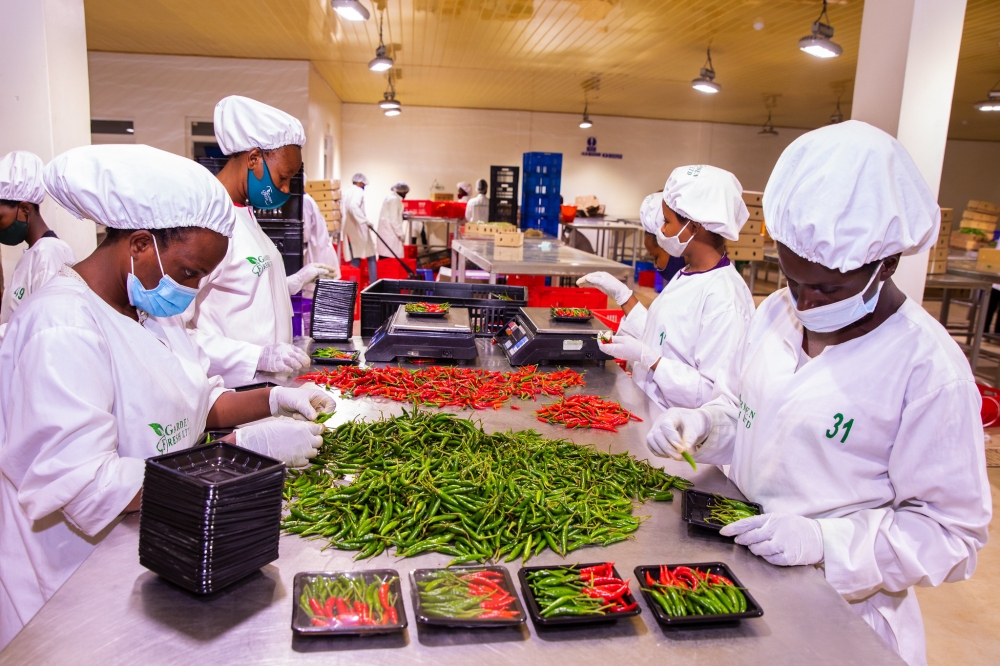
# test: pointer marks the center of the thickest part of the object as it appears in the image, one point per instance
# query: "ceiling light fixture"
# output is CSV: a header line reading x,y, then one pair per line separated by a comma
x,y
768,128
992,101
838,115
382,62
818,43
389,104
350,10
706,81
585,123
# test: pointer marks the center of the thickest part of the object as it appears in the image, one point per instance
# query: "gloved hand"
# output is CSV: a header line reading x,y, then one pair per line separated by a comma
x,y
308,274
628,348
783,539
282,357
291,442
678,431
302,403
607,283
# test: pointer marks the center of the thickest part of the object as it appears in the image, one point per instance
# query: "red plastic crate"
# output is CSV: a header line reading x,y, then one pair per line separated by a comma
x,y
990,411
610,318
348,272
647,279
391,270
568,297
410,251
418,206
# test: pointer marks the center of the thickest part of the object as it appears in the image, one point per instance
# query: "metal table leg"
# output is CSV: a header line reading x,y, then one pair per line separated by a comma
x,y
753,276
461,268
945,307
493,277
454,266
984,303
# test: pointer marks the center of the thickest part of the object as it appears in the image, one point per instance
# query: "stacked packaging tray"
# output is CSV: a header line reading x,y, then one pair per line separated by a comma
x,y
332,317
211,515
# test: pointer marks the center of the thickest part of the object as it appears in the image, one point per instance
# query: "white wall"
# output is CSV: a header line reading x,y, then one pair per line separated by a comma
x,y
324,121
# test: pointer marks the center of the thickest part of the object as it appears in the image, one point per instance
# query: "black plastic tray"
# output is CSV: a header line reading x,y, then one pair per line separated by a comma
x,y
507,584
717,568
302,625
254,387
320,360
697,508
428,315
535,611
215,464
571,320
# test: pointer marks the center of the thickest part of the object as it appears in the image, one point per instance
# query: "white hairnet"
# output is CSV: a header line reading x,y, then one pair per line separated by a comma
x,y
401,187
710,196
138,187
243,124
848,194
651,213
359,178
21,177
464,186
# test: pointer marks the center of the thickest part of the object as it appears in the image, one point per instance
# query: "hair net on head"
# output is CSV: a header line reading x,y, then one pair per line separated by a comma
x,y
243,124
710,196
138,187
848,194
359,178
482,186
464,186
651,213
21,177
400,187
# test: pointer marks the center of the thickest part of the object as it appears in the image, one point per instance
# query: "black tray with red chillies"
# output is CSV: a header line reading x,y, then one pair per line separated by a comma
x,y
347,603
423,309
333,356
571,314
470,597
703,593
578,594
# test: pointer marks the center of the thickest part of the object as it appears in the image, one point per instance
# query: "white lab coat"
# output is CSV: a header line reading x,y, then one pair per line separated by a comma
x,y
696,324
880,440
319,248
35,267
478,209
243,304
88,395
356,225
390,226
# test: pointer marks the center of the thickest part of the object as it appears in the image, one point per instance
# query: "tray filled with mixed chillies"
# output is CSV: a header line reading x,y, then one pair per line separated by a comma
x,y
571,314
702,593
713,511
348,602
465,597
578,594
332,356
423,309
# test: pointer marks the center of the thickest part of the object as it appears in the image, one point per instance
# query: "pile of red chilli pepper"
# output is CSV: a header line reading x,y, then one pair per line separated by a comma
x,y
684,591
477,595
586,411
446,386
343,601
594,590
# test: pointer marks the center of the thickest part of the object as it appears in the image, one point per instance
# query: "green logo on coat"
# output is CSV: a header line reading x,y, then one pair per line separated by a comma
x,y
260,264
170,434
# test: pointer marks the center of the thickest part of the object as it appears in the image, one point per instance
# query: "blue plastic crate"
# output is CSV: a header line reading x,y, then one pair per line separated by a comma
x,y
643,266
547,208
541,163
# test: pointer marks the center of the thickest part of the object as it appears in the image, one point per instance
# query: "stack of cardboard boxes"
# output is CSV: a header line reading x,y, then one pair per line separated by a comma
x,y
937,262
750,245
327,195
979,221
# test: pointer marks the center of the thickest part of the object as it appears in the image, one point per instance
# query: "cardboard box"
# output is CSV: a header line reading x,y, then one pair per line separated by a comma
x,y
745,254
329,215
442,196
756,212
967,242
938,254
947,214
753,227
978,217
328,205
322,195
984,207
333,226
988,259
753,198
988,227
322,185
509,239
747,240
937,267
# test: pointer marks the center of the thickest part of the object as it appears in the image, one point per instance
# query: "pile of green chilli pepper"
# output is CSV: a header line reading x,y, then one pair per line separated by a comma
x,y
725,511
437,483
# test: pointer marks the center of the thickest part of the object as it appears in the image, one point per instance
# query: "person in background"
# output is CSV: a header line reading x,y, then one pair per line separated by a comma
x,y
652,221
855,418
478,207
319,248
464,190
357,228
242,315
685,347
98,371
21,191
390,222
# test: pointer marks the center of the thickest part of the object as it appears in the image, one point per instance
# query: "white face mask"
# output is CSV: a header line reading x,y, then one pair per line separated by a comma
x,y
672,245
835,316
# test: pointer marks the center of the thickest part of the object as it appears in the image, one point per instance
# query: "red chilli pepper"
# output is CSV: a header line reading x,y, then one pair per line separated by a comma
x,y
317,607
383,596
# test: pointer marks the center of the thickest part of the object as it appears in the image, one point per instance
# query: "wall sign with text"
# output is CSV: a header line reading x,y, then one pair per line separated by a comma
x,y
591,150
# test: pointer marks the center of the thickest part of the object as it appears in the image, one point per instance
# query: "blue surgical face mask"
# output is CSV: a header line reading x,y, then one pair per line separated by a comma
x,y
264,193
166,299
841,314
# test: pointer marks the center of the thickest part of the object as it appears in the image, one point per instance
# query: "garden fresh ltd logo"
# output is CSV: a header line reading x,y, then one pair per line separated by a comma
x,y
260,264
170,434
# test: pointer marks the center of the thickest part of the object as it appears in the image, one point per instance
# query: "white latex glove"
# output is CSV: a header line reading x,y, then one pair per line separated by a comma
x,y
678,431
308,274
282,357
607,283
300,403
783,539
291,442
628,348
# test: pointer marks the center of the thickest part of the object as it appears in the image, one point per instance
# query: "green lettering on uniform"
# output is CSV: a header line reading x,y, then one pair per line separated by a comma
x,y
838,420
662,335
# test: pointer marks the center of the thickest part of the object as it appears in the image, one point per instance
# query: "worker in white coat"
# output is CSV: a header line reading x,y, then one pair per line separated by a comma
x,y
477,209
319,248
98,372
242,316
21,191
357,228
390,222
689,339
857,424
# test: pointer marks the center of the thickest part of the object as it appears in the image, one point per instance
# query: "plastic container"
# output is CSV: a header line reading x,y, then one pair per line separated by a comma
x,y
698,507
302,623
287,238
391,269
641,266
487,312
567,214
647,279
568,297
506,584
562,620
717,568
990,411
409,251
321,360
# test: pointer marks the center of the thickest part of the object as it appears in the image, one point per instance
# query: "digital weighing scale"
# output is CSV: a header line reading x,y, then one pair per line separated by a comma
x,y
533,336
408,336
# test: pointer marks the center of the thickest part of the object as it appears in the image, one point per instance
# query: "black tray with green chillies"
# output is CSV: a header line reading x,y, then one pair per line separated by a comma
x,y
752,608
330,356
349,586
535,610
441,597
699,507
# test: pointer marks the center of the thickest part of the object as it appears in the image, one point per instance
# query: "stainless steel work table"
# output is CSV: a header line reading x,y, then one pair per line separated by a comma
x,y
113,611
535,257
611,237
975,280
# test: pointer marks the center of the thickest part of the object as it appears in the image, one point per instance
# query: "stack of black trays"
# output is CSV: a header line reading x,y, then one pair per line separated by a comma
x,y
211,515
332,317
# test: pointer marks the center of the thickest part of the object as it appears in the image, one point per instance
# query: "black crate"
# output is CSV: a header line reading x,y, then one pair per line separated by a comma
x,y
503,193
487,312
287,237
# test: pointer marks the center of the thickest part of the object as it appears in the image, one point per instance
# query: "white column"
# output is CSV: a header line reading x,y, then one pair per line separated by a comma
x,y
904,83
45,98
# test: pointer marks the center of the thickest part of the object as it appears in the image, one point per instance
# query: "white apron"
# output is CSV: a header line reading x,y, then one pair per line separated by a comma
x,y
88,395
390,226
35,267
860,438
243,304
356,226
